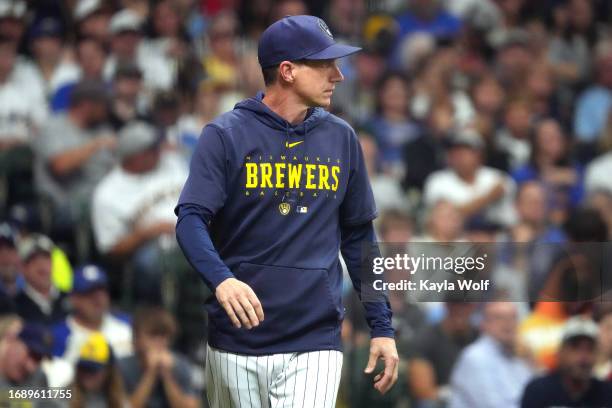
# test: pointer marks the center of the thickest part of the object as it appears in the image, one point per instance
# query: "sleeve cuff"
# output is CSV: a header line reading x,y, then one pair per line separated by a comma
x,y
218,278
382,332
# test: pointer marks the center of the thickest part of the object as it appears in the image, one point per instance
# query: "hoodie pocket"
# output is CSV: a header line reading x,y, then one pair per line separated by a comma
x,y
296,302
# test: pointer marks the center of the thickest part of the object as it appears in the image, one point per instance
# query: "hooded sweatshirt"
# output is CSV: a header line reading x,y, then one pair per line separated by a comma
x,y
271,204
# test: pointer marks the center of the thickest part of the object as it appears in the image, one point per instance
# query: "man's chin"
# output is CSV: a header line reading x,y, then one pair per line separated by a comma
x,y
323,102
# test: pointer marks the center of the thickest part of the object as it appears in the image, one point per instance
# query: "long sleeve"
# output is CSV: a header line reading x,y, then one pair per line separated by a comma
x,y
378,314
194,239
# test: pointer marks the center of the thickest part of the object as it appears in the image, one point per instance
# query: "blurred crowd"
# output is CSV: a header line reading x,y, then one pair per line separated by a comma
x,y
480,121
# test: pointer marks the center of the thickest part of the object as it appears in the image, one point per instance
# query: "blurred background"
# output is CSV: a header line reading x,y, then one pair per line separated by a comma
x,y
480,120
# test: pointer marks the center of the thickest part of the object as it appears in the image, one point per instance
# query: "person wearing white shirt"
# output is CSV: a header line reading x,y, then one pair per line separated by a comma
x,y
133,205
480,192
91,314
126,45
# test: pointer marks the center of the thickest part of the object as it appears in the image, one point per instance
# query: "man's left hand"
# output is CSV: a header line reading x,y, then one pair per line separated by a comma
x,y
383,348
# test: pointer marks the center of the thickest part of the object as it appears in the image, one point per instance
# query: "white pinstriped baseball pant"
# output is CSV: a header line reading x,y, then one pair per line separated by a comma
x,y
288,380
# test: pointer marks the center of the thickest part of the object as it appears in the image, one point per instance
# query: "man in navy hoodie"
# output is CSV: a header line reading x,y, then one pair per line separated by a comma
x,y
277,188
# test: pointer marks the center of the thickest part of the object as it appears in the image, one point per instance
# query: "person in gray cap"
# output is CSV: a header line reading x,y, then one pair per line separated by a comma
x,y
67,168
572,383
39,301
147,180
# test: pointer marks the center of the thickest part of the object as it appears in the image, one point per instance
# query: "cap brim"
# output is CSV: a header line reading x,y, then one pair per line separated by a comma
x,y
333,51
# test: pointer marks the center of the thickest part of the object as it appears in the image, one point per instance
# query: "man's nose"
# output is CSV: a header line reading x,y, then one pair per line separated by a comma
x,y
337,75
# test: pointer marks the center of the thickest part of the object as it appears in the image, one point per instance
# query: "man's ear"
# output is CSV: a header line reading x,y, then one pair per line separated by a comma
x,y
286,71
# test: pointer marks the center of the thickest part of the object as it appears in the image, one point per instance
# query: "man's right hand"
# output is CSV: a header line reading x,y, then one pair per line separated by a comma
x,y
240,303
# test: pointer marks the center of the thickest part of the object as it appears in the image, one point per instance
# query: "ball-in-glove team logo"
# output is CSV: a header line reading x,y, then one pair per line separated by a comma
x,y
284,208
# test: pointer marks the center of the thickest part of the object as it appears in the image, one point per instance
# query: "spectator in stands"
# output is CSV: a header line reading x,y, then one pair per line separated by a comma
x,y
480,192
92,18
550,164
513,136
98,381
530,247
155,375
90,314
222,62
11,279
127,102
391,126
601,201
23,107
603,364
39,301
187,131
572,383
126,46
150,180
569,288
22,348
444,223
67,168
90,57
427,16
13,19
387,191
488,372
597,176
47,45
594,104
436,349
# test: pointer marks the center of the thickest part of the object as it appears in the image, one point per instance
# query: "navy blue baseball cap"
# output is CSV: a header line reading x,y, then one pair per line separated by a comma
x,y
295,38
37,339
88,278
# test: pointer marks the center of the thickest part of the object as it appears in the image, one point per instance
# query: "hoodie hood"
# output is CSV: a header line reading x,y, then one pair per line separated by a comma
x,y
269,118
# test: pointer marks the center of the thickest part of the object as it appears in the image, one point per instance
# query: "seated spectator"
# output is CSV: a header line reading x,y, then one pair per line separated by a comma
x,y
436,349
98,381
429,17
185,134
149,180
11,279
601,201
550,164
513,136
67,168
22,348
529,248
92,18
156,376
126,29
488,372
39,301
480,192
572,383
23,107
392,126
90,314
597,175
127,102
387,191
603,363
425,154
47,37
443,223
90,57
594,104
23,110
